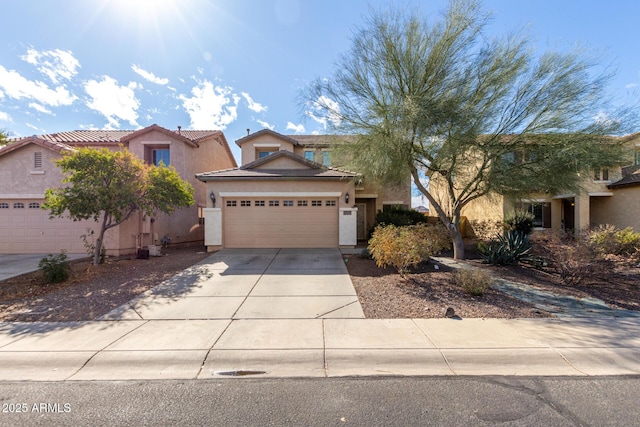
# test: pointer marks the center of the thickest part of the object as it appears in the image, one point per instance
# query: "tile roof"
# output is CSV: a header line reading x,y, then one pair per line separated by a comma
x,y
52,145
250,171
108,136
630,176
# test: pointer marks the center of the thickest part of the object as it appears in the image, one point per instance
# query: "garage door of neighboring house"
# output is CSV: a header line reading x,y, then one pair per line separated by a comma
x,y
302,222
25,228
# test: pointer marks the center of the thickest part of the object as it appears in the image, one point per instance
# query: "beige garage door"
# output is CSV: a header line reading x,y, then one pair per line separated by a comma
x,y
27,229
280,222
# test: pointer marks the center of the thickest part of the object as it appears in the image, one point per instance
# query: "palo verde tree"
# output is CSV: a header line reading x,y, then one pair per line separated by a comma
x,y
109,186
439,101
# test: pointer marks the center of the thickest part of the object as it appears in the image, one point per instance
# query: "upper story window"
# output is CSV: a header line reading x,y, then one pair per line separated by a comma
x,y
326,158
601,175
310,155
160,155
37,160
264,153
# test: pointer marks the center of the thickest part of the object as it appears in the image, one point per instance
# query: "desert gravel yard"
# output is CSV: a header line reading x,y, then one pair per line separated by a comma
x,y
425,293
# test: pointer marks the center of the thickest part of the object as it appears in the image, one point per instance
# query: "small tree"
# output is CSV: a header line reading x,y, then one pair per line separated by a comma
x,y
109,186
4,135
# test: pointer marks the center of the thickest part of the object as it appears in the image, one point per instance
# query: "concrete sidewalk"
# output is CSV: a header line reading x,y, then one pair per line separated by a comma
x,y
294,313
207,349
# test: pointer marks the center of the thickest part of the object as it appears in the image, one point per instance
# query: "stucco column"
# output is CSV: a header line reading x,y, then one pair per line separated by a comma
x,y
582,213
212,226
348,227
556,214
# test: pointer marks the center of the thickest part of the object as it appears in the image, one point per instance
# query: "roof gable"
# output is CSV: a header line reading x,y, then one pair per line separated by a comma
x,y
283,160
155,128
263,132
53,146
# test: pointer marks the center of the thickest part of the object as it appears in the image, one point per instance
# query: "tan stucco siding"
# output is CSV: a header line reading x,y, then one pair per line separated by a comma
x,y
266,142
622,209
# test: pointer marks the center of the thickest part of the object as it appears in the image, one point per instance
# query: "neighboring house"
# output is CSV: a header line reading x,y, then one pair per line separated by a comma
x,y
287,194
27,169
608,196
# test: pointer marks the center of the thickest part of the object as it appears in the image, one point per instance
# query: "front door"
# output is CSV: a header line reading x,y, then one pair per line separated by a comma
x,y
361,221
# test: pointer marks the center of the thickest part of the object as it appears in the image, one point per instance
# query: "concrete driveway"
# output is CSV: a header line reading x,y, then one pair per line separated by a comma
x,y
252,284
12,265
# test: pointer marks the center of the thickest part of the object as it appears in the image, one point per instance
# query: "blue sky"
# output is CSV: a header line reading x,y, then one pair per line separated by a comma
x,y
233,64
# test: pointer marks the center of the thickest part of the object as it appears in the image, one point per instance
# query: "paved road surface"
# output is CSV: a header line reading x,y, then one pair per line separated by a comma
x,y
477,401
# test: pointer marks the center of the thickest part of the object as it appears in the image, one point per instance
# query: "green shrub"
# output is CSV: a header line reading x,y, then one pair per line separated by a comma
x,y
472,281
607,239
55,268
520,221
508,249
400,217
404,247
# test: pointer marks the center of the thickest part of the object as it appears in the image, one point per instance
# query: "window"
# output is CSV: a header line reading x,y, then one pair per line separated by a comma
x,y
274,203
231,203
316,203
258,203
330,203
326,158
636,160
4,205
37,160
34,205
262,154
302,203
245,203
541,212
160,155
287,203
601,175
310,155
18,205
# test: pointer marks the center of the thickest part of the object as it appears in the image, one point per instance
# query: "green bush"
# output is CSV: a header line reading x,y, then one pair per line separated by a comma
x,y
400,217
607,239
508,249
520,221
55,268
472,281
404,247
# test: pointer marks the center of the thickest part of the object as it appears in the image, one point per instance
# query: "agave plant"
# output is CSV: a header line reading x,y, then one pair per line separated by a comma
x,y
507,249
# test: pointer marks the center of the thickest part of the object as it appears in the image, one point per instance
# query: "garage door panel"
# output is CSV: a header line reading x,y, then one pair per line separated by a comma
x,y
281,226
29,230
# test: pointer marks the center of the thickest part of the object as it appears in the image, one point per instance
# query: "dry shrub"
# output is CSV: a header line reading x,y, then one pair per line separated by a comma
x,y
571,258
472,281
486,229
610,240
405,247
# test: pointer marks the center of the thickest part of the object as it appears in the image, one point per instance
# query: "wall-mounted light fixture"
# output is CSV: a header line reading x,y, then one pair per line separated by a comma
x,y
346,198
212,196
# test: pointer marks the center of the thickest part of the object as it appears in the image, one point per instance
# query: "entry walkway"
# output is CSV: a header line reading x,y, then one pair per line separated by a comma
x,y
253,284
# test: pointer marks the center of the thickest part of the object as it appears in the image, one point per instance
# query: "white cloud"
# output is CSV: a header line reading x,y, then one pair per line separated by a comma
x,y
16,86
325,110
55,64
631,86
211,106
149,76
5,117
254,106
295,128
266,125
40,108
113,101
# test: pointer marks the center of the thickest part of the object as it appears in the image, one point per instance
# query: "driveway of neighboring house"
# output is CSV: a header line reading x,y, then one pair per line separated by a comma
x,y
12,265
253,284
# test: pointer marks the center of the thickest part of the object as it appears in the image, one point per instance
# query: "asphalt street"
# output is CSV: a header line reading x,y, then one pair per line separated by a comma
x,y
477,401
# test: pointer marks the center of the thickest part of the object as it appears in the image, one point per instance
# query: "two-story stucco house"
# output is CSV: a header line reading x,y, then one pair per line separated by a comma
x,y
286,194
27,169
608,196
